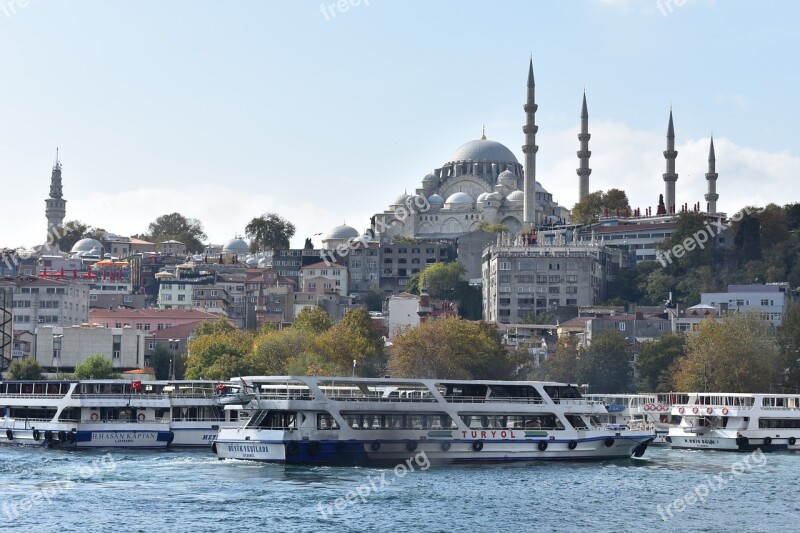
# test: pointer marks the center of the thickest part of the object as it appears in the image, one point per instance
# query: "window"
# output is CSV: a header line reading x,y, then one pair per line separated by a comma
x,y
181,297
554,279
151,345
147,327
160,327
553,290
505,265
621,326
116,346
572,279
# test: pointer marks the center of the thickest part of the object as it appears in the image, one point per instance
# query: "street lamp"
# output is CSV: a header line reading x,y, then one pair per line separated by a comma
x,y
173,345
354,368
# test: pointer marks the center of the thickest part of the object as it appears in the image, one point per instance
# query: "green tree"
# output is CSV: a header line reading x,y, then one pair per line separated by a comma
x,y
656,364
313,320
161,361
95,366
737,354
441,279
563,364
218,351
594,205
354,338
789,345
492,228
175,226
70,233
25,369
605,365
374,299
274,351
269,232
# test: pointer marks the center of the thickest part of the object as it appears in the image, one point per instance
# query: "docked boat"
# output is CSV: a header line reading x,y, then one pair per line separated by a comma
x,y
365,421
737,422
111,413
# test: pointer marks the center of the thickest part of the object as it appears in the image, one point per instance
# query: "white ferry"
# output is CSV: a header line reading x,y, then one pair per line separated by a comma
x,y
111,413
737,422
368,421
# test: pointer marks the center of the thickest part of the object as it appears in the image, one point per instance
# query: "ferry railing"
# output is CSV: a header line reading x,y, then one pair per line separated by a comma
x,y
121,396
27,396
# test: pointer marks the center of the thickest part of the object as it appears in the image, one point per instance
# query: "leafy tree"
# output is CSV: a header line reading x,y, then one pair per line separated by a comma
x,y
656,364
95,366
402,239
563,365
308,244
218,351
354,338
451,348
175,226
594,205
605,365
69,233
25,369
269,232
374,299
414,284
274,351
688,225
313,320
492,228
789,345
161,361
441,279
737,354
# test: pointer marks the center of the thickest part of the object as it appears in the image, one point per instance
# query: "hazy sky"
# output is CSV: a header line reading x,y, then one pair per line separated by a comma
x,y
225,110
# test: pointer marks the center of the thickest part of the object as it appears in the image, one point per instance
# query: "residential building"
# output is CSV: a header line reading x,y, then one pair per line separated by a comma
x,y
42,301
148,319
171,247
212,299
634,328
329,277
6,324
770,301
61,349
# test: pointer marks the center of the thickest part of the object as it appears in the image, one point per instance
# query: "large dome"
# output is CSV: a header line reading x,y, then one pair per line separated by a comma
x,y
341,232
236,246
86,245
459,198
483,150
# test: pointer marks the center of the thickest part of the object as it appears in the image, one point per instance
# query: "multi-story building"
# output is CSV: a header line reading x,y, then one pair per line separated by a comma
x,y
171,248
521,281
6,324
635,328
46,301
234,285
770,300
330,277
176,291
400,261
62,349
212,299
148,319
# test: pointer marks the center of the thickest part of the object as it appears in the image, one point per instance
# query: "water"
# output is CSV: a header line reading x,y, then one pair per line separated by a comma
x,y
138,491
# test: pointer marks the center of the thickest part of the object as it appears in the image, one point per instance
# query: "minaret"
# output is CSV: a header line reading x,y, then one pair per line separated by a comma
x,y
530,149
711,177
670,177
56,206
584,154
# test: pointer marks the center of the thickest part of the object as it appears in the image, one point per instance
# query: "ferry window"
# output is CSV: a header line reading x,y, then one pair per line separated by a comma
x,y
326,421
577,422
539,421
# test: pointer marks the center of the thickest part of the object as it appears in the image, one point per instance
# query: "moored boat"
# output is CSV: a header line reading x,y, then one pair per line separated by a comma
x,y
365,421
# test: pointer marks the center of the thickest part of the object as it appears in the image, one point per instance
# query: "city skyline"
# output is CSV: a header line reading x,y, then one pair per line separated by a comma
x,y
324,115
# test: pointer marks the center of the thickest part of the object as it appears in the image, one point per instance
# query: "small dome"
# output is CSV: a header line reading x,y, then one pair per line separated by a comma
x,y
482,197
86,245
430,178
262,262
494,197
516,196
459,198
342,232
483,150
507,178
435,199
252,261
236,246
400,200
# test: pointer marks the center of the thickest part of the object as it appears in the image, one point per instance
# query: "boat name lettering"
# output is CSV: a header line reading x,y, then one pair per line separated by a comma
x,y
246,448
123,435
210,437
702,441
503,434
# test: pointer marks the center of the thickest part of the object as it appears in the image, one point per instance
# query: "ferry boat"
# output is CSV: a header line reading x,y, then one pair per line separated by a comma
x,y
111,413
737,422
366,421
636,411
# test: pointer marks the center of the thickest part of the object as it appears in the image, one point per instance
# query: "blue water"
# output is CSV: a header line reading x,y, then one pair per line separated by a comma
x,y
59,491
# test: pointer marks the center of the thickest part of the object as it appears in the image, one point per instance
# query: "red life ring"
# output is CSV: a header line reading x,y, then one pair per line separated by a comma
x,y
694,410
724,411
220,387
709,410
681,410
95,416
140,417
662,407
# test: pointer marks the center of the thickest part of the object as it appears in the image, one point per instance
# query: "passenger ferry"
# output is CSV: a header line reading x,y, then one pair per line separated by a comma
x,y
112,413
737,422
365,421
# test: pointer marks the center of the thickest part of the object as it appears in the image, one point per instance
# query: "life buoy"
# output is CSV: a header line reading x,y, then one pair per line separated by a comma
x,y
214,447
170,438
95,417
220,387
411,446
445,446
767,441
681,410
477,445
375,446
542,445
62,436
695,410
291,448
609,442
70,437
572,445
314,447
35,434
724,411
9,434
709,410
648,407
48,436
792,441
140,417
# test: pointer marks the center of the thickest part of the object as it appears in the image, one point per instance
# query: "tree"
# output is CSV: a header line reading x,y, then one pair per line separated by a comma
x,y
161,361
374,299
451,348
269,232
737,354
605,366
563,365
594,205
70,233
96,366
25,369
274,351
313,320
308,245
789,344
656,364
492,228
218,351
354,338
176,227
440,279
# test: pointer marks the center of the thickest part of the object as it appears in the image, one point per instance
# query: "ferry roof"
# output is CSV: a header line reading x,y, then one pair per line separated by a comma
x,y
394,381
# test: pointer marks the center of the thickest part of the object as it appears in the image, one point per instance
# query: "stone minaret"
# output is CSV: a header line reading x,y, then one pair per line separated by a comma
x,y
584,154
530,149
711,177
670,177
56,206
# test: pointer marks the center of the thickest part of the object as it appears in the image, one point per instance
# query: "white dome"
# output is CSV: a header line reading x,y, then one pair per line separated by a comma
x,y
400,200
496,196
430,178
483,150
516,196
236,246
252,261
482,197
459,198
86,245
342,232
435,199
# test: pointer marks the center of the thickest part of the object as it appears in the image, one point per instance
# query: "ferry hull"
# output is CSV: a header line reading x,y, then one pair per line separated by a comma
x,y
713,441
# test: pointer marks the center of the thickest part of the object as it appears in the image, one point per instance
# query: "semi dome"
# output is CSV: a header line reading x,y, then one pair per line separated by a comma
x,y
516,196
86,245
482,197
342,232
435,200
236,246
459,198
483,150
507,178
400,200
496,196
252,261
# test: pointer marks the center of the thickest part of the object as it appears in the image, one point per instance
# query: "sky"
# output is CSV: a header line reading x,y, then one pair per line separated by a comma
x,y
325,112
